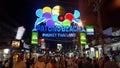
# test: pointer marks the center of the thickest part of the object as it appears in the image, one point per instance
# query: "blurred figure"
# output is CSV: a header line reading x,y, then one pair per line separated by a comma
x,y
101,62
110,64
28,63
69,62
80,62
8,63
20,63
62,62
88,63
0,64
53,63
74,63
95,64
40,63
49,64
117,58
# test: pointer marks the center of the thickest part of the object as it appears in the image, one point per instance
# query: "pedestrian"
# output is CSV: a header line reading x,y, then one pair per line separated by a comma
x,y
88,63
49,64
19,63
40,63
110,64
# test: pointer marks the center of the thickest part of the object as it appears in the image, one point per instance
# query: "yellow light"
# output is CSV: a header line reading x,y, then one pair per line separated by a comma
x,y
96,53
15,57
47,9
58,10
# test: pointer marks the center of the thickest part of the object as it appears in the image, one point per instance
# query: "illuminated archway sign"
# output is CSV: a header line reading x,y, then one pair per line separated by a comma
x,y
55,23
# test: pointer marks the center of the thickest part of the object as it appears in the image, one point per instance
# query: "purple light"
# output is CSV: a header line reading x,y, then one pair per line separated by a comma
x,y
50,23
47,15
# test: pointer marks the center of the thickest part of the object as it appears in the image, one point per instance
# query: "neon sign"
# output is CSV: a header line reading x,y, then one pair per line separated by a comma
x,y
53,22
58,29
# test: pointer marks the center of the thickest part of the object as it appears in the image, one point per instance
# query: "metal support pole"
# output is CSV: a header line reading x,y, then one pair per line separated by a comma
x,y
99,23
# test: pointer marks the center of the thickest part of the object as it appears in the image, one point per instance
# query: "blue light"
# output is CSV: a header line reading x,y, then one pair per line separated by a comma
x,y
55,18
47,15
39,13
83,29
34,29
76,14
75,20
59,24
38,21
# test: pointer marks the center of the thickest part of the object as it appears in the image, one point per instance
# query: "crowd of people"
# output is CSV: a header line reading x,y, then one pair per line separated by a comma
x,y
60,62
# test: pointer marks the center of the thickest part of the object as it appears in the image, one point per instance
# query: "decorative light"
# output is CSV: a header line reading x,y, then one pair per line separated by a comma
x,y
66,23
39,12
76,14
47,9
69,16
61,18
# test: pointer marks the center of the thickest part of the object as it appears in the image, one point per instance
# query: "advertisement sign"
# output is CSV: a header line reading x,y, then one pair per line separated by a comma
x,y
90,30
34,39
59,46
20,33
83,38
16,44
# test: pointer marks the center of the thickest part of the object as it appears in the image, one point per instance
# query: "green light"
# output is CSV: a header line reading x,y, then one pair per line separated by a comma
x,y
66,23
83,42
34,38
83,38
